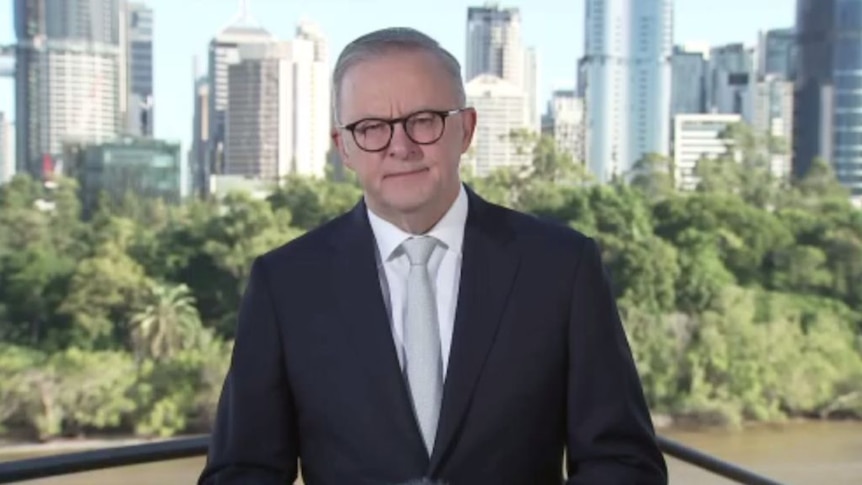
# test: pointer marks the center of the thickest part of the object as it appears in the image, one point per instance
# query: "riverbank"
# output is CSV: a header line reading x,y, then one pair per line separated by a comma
x,y
723,421
663,423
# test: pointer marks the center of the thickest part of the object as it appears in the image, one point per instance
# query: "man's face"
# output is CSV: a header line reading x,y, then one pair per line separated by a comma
x,y
407,176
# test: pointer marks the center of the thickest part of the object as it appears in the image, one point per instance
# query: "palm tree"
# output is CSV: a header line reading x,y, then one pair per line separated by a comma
x,y
167,323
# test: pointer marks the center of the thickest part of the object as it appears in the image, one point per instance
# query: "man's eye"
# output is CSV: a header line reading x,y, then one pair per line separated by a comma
x,y
364,127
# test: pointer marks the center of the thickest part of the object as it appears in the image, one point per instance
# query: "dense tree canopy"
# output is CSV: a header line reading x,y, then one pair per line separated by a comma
x,y
741,299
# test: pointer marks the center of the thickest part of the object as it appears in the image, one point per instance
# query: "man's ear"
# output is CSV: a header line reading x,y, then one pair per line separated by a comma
x,y
468,123
338,140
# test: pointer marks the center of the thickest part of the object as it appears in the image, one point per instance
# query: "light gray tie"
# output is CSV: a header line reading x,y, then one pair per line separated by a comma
x,y
422,354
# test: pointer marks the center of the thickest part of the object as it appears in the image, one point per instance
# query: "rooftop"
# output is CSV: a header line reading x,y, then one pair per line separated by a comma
x,y
243,25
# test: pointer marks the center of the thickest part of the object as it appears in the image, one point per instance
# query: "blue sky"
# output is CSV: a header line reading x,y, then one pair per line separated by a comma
x,y
183,29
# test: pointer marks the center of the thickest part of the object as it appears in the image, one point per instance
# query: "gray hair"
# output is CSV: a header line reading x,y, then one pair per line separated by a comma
x,y
384,41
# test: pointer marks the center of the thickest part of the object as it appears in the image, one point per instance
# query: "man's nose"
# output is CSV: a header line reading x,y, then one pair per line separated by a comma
x,y
401,146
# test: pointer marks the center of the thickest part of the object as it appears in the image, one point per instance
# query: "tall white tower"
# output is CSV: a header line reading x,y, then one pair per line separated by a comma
x,y
627,70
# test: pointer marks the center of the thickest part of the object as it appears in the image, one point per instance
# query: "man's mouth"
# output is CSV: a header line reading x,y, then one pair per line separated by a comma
x,y
404,174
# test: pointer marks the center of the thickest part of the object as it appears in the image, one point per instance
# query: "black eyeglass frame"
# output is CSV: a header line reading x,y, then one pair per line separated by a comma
x,y
443,114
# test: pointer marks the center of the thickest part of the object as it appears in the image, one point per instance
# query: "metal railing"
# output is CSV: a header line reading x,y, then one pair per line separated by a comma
x,y
83,461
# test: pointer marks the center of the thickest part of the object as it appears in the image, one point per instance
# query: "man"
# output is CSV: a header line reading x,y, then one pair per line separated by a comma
x,y
427,334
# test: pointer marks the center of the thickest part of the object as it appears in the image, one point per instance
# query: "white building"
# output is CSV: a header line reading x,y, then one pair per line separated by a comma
x,y
626,81
501,110
531,87
564,121
313,111
258,188
7,149
697,136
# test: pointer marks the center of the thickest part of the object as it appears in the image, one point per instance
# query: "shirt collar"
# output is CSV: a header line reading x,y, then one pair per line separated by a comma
x,y
449,229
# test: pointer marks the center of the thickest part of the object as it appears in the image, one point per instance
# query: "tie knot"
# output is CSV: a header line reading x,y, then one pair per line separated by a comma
x,y
419,249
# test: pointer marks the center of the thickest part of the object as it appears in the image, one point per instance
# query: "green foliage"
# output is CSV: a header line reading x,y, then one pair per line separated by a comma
x,y
740,299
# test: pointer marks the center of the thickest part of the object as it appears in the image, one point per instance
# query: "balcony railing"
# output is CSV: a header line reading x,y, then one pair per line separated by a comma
x,y
64,464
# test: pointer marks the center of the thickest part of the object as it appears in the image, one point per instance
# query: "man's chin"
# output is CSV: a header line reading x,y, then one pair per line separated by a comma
x,y
407,198
408,205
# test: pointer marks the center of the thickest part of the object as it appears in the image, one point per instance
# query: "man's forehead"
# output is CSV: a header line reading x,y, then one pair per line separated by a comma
x,y
390,87
390,67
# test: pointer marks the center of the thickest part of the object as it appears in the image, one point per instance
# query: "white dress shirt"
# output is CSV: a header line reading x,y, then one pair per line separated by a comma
x,y
444,267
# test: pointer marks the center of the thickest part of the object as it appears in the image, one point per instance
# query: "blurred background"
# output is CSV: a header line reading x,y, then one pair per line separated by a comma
x,y
150,150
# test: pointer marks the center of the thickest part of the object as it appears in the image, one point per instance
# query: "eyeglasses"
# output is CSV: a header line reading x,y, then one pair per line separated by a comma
x,y
423,128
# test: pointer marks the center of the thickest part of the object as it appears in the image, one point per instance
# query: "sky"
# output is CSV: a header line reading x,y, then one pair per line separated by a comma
x,y
183,29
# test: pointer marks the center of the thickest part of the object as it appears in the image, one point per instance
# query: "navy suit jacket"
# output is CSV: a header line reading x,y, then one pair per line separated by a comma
x,y
540,372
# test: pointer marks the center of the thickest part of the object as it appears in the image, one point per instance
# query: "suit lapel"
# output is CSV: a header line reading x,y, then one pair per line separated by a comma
x,y
363,309
490,262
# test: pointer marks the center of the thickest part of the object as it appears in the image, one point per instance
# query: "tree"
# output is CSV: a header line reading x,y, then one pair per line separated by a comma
x,y
819,183
167,323
653,176
34,282
312,202
739,304
104,290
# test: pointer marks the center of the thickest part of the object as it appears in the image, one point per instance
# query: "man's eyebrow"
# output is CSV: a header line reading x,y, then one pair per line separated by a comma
x,y
367,116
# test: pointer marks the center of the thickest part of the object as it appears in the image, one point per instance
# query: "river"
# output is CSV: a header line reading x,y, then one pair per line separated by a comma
x,y
797,453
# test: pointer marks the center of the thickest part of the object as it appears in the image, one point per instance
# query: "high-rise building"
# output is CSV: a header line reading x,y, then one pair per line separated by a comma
x,y
828,79
732,80
259,121
773,115
814,96
7,149
223,52
494,47
200,134
138,104
697,137
68,59
689,67
777,53
278,108
501,106
494,43
531,87
312,104
626,78
564,122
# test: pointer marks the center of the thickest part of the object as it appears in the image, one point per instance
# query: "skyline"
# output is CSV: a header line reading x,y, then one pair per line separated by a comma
x,y
546,25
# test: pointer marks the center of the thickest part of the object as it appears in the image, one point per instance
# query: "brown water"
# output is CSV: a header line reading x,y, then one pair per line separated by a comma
x,y
799,454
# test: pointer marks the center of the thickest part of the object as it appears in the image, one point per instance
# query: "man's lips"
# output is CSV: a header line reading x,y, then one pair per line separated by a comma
x,y
403,174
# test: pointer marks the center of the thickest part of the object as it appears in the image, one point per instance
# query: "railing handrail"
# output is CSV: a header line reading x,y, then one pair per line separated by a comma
x,y
98,459
711,463
83,461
